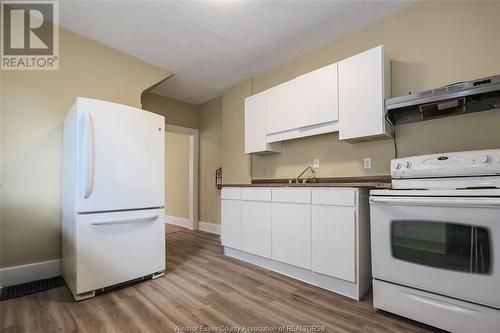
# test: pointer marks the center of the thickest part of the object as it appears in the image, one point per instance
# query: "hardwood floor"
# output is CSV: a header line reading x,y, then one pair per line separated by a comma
x,y
201,287
172,228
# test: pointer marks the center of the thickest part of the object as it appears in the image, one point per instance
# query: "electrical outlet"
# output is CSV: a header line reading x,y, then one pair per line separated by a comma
x,y
367,163
316,163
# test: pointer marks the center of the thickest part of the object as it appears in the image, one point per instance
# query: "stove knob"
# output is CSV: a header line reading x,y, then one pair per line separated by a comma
x,y
408,164
398,166
484,158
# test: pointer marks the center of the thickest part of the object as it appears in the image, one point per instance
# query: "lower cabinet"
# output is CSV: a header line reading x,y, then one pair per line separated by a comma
x,y
334,241
291,234
231,224
318,235
256,228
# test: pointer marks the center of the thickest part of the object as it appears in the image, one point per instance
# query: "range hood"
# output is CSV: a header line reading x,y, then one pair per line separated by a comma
x,y
454,99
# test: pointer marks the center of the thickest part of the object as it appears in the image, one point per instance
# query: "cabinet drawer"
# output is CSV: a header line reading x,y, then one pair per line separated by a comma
x,y
334,196
256,194
295,195
231,193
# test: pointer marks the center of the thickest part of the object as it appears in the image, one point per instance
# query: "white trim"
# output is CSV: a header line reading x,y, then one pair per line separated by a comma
x,y
193,170
180,129
181,221
209,227
328,127
14,275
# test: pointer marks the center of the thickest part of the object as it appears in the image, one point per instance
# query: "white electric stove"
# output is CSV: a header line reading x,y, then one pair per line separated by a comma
x,y
435,239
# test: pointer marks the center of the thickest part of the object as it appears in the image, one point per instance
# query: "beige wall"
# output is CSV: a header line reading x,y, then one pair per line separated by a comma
x,y
182,114
210,160
430,44
176,112
207,118
33,106
177,174
235,163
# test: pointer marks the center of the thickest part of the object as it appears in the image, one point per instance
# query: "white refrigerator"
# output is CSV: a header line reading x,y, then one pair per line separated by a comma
x,y
113,227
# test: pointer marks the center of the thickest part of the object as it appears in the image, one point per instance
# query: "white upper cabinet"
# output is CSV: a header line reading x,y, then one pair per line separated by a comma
x,y
304,106
364,83
255,125
317,96
281,113
348,97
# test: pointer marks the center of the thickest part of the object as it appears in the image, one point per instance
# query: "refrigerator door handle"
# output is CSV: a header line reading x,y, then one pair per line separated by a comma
x,y
89,146
125,220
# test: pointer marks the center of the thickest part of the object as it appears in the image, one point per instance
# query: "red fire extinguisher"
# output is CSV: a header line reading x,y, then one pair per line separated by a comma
x,y
218,178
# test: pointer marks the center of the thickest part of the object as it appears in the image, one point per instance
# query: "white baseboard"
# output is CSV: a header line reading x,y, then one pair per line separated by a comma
x,y
11,276
181,221
209,227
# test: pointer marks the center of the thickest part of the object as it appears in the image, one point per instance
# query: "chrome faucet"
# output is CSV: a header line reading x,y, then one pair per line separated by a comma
x,y
312,176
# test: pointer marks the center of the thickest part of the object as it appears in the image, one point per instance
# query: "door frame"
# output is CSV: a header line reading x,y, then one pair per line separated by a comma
x,y
193,133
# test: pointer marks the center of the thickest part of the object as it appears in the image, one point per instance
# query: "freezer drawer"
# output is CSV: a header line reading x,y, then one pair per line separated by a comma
x,y
117,247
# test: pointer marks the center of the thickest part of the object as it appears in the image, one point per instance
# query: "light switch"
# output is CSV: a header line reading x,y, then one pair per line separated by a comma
x,y
316,163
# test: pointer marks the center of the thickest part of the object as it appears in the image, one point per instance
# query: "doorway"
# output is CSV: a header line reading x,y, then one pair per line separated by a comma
x,y
181,176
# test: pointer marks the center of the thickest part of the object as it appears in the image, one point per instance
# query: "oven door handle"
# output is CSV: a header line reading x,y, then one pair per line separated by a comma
x,y
438,202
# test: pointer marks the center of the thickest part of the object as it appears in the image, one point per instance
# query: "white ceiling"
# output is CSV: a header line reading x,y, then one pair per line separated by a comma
x,y
211,45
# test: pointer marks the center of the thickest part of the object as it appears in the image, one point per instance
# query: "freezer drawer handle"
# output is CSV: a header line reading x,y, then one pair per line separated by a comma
x,y
126,220
89,146
458,202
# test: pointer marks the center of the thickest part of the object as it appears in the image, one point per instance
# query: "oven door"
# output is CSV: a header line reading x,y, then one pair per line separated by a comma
x,y
447,245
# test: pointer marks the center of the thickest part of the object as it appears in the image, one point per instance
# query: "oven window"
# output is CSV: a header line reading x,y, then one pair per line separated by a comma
x,y
457,247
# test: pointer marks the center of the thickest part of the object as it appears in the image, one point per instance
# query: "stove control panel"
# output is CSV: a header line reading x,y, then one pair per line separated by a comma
x,y
457,164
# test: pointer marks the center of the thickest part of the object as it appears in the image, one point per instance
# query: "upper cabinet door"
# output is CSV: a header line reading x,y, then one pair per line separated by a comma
x,y
255,125
362,95
281,114
317,96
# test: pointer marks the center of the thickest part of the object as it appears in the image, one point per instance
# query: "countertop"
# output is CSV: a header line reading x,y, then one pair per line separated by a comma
x,y
382,181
